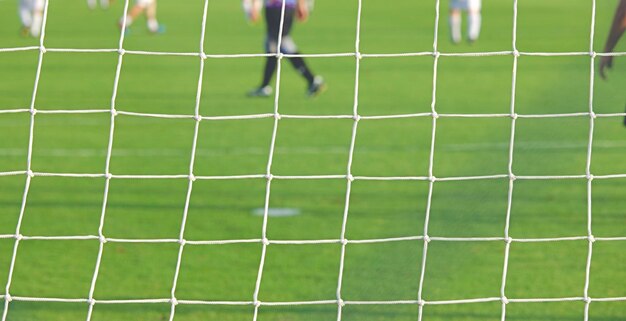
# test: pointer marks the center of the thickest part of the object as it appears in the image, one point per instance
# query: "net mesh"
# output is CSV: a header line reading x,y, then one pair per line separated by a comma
x,y
349,177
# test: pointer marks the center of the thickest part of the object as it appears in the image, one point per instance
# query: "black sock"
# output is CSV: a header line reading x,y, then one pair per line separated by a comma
x,y
270,67
300,65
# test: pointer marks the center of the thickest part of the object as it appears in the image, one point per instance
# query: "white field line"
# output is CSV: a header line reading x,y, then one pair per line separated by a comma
x,y
230,151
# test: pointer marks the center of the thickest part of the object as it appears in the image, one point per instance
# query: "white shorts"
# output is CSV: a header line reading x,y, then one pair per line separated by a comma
x,y
473,5
144,3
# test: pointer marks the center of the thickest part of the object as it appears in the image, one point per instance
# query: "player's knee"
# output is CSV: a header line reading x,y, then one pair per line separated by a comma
x,y
288,46
271,46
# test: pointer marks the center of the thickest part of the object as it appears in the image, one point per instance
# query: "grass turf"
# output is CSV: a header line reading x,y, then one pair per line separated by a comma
x,y
378,209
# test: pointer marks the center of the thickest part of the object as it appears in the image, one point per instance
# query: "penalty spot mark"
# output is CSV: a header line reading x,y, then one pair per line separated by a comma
x,y
276,212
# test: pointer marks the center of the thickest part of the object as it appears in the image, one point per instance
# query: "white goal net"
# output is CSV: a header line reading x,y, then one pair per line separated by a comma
x,y
255,300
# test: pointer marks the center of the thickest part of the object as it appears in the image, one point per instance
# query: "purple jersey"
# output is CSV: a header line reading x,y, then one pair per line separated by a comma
x,y
279,3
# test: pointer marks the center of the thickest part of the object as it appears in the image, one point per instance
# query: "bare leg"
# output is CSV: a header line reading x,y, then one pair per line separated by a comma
x,y
134,12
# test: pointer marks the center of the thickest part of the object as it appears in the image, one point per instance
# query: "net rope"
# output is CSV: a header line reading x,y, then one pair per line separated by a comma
x,y
268,176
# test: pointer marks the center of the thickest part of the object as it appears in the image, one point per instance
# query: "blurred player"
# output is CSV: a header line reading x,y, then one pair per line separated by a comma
x,y
474,18
149,7
273,11
617,30
92,4
31,15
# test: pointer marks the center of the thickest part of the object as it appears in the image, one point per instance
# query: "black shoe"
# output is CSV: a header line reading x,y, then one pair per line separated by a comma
x,y
317,87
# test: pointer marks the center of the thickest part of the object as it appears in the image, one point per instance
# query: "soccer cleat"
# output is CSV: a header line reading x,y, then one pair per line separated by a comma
x,y
317,87
260,92
25,32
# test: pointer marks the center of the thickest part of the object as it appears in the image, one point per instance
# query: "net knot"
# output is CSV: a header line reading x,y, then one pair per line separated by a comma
x,y
593,54
203,56
505,300
19,237
182,242
514,116
516,53
257,304
91,301
432,178
114,112
587,299
8,298
280,55
269,177
121,51
591,238
359,56
174,301
108,175
435,115
192,177
436,54
508,240
421,302
356,117
341,302
33,111
265,241
277,116
102,239
350,178
512,176
30,173
590,177
42,49
593,115
344,242
426,238
197,118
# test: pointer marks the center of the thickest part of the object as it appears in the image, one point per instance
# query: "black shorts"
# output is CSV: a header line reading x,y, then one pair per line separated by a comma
x,y
272,17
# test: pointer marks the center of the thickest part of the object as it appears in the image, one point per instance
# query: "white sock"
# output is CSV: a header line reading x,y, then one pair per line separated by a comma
x,y
129,21
153,25
91,4
26,15
473,25
35,27
455,27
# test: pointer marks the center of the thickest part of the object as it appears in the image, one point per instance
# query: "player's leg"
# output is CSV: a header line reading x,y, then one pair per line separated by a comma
x,y
151,17
454,19
35,27
474,19
272,20
26,16
314,84
133,13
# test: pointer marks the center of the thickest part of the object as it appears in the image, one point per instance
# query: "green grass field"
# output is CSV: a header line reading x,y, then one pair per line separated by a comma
x,y
223,209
